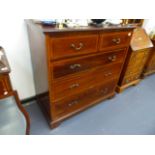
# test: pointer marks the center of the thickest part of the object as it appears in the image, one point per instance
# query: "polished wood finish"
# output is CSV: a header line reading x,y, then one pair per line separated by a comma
x,y
140,40
75,68
73,45
72,85
138,54
86,98
150,65
5,83
113,40
80,64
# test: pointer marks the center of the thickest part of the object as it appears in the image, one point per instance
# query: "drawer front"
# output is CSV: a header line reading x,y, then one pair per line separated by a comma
x,y
4,85
69,86
138,58
75,103
113,40
72,66
131,78
134,71
71,46
137,63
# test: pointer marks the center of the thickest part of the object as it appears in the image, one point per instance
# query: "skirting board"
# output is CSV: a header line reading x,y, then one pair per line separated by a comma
x,y
30,99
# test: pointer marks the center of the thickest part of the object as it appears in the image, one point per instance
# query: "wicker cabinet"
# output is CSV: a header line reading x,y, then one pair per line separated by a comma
x,y
138,54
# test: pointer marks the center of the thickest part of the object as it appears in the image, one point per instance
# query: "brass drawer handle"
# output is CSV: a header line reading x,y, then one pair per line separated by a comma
x,y
73,103
77,48
75,66
112,58
116,40
74,86
108,74
104,91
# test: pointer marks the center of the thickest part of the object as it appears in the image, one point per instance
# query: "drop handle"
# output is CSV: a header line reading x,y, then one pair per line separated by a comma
x,y
73,66
77,48
116,40
75,85
112,58
73,103
108,74
104,91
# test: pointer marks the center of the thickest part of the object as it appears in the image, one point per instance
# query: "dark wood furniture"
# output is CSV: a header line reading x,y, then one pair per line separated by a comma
x,y
14,120
150,65
75,68
5,84
139,51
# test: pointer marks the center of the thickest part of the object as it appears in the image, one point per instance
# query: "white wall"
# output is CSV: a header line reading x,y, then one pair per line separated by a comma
x,y
149,25
14,39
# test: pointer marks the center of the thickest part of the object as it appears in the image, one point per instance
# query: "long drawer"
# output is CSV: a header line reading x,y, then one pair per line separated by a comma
x,y
68,86
84,99
73,45
72,66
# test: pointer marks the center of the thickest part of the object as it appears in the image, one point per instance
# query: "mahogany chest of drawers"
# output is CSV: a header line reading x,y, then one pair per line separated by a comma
x,y
150,65
5,84
75,68
138,54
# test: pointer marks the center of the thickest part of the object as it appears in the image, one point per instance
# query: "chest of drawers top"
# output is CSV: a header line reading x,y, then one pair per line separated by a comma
x,y
70,42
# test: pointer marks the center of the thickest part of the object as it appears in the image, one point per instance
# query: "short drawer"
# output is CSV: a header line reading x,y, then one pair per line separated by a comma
x,y
69,86
74,45
113,40
84,99
139,55
130,78
135,69
76,65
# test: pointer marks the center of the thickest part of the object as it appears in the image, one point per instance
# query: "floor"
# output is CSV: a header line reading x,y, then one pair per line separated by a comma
x,y
131,112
